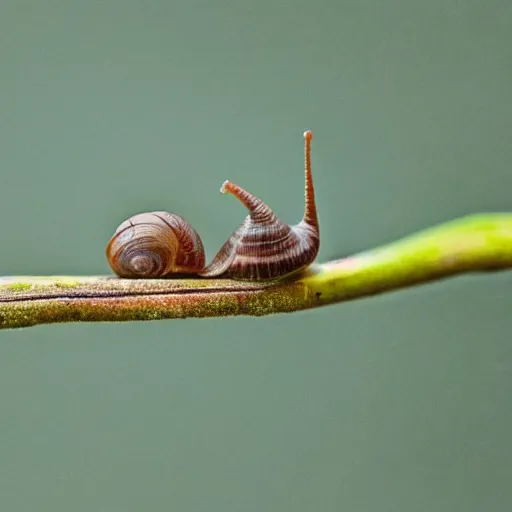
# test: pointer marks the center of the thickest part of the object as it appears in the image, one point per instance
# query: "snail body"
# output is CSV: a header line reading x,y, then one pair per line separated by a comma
x,y
263,247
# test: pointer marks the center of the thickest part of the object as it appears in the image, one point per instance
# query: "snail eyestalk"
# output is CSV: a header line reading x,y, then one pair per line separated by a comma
x,y
310,213
258,210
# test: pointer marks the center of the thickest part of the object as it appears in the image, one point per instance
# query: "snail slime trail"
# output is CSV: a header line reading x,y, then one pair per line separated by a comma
x,y
263,247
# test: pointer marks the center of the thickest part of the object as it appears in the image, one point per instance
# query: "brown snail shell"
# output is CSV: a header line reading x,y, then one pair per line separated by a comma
x,y
155,244
263,247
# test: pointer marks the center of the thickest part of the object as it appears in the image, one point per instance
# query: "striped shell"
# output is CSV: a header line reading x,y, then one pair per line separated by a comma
x,y
155,244
264,247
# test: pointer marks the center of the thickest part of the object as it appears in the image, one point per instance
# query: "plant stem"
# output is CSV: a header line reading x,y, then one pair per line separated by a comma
x,y
475,243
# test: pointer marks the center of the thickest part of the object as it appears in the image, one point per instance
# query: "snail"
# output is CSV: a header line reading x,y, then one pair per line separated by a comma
x,y
263,247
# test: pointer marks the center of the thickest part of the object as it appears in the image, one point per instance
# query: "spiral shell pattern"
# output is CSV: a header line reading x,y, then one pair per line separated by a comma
x,y
153,245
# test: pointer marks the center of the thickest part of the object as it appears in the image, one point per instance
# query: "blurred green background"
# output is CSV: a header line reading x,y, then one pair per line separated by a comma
x,y
394,403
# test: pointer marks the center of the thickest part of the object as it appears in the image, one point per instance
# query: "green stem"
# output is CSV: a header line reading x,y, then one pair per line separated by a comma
x,y
472,244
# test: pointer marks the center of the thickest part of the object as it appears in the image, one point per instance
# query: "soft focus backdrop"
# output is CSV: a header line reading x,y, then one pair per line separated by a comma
x,y
395,403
